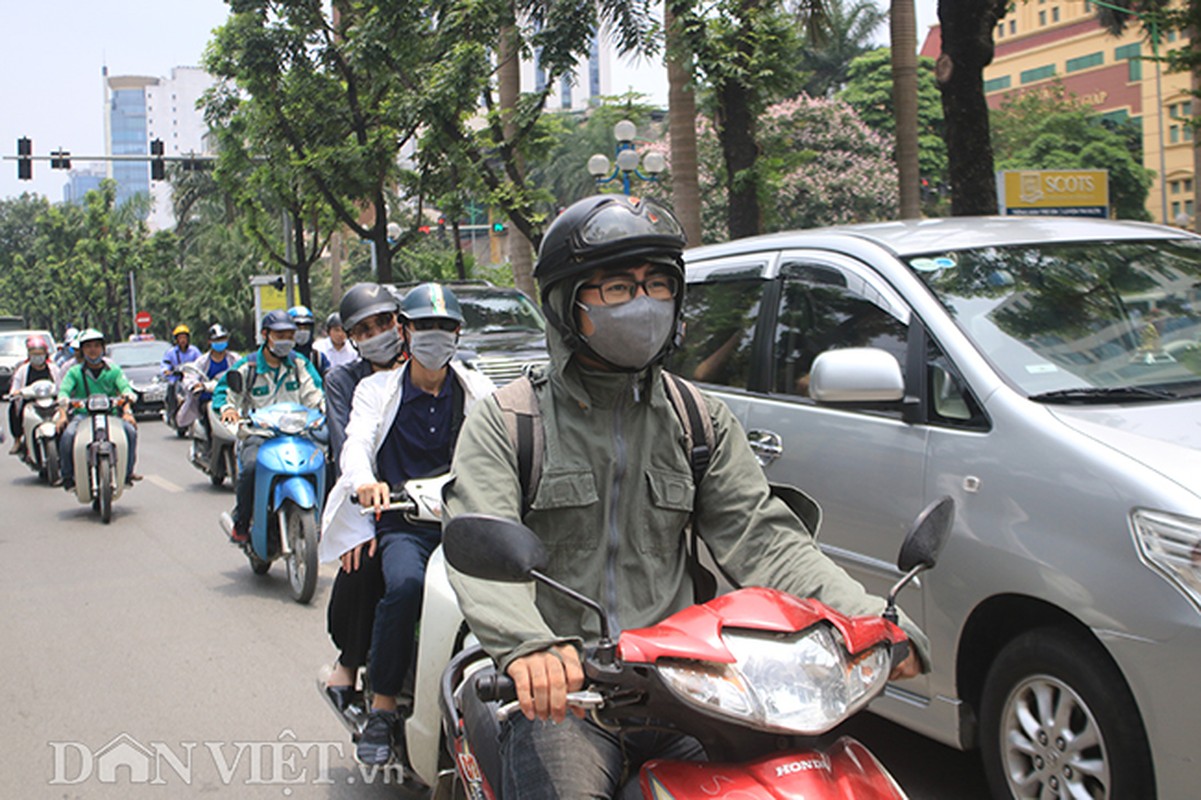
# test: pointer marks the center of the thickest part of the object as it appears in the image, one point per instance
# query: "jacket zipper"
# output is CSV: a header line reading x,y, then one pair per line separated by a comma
x,y
619,470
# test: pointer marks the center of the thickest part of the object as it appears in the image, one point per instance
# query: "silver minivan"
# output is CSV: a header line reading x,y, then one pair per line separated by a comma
x,y
1046,374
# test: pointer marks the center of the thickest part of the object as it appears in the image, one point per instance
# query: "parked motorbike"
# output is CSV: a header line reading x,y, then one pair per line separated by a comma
x,y
101,454
420,500
289,488
213,445
38,404
757,676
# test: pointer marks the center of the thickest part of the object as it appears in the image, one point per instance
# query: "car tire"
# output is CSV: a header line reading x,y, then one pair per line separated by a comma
x,y
1058,720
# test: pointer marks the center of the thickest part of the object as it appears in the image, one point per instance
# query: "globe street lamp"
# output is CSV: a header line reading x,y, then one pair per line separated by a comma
x,y
627,160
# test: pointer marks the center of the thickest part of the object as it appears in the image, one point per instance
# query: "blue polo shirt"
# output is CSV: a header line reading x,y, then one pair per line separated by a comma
x,y
418,444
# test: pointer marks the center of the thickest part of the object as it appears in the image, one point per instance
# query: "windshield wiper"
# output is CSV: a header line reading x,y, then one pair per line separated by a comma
x,y
1103,394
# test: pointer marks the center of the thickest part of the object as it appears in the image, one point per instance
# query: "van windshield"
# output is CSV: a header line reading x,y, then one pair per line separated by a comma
x,y
1065,321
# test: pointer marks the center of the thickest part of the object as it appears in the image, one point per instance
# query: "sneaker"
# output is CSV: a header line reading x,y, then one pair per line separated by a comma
x,y
375,747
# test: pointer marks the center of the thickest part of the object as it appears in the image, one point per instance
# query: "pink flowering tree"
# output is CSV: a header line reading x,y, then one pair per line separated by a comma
x,y
821,165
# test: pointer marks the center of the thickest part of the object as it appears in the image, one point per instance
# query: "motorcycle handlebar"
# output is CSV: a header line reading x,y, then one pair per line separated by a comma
x,y
495,687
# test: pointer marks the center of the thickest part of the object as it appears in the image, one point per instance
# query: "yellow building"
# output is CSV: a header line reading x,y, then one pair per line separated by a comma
x,y
1043,41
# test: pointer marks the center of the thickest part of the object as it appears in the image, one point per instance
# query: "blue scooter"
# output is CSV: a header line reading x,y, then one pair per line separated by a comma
x,y
289,488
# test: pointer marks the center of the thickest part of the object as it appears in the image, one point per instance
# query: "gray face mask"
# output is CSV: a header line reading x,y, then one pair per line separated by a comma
x,y
433,349
303,336
281,348
632,334
382,349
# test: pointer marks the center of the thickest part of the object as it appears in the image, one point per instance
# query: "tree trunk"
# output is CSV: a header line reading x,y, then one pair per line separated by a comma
x,y
967,48
681,121
736,131
335,268
508,86
904,97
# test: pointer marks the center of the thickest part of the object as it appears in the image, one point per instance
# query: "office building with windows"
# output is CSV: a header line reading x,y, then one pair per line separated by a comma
x,y
1043,41
140,109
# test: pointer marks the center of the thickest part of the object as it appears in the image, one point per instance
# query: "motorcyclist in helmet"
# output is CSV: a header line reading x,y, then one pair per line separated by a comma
x,y
305,322
182,352
272,374
94,375
403,425
610,273
36,367
218,359
335,346
66,355
370,314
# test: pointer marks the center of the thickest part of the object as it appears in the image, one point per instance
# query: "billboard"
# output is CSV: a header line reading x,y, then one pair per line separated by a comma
x,y
1054,192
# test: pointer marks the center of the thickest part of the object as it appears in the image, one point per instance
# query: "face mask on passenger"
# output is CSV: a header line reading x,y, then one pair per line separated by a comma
x,y
632,334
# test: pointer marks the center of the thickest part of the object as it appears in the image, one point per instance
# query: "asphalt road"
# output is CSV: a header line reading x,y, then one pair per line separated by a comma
x,y
149,642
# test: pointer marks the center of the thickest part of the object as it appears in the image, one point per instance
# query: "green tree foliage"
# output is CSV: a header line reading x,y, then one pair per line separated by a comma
x,y
73,263
843,35
869,92
1052,130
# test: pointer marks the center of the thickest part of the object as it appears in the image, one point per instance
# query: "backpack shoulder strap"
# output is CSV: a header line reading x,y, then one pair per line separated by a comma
x,y
523,421
689,406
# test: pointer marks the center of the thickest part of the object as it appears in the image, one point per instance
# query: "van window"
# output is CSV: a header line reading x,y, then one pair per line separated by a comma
x,y
719,336
823,308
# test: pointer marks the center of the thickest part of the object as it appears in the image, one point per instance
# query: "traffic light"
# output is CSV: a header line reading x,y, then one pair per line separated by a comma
x,y
60,159
158,168
24,165
499,228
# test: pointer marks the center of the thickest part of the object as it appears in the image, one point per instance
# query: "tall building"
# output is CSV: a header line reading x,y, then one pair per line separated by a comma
x,y
581,89
140,109
1042,41
82,180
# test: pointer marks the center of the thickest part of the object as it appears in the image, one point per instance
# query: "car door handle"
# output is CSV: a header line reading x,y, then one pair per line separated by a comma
x,y
767,446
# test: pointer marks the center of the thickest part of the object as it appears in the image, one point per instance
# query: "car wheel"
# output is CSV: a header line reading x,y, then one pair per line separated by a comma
x,y
1058,721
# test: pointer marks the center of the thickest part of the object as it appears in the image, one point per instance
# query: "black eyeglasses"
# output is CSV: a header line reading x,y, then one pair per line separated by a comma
x,y
449,325
622,288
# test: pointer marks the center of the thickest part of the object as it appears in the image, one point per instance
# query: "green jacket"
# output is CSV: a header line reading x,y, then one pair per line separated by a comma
x,y
110,381
615,495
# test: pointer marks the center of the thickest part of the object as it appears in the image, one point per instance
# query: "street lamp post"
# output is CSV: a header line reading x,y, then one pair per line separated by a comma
x,y
627,160
393,235
1153,21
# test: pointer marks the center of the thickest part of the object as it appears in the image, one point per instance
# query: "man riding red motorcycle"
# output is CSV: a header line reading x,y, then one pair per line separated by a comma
x,y
615,496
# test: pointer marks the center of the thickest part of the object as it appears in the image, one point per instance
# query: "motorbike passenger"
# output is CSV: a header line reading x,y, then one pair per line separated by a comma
x,y
403,425
616,495
218,359
182,352
305,321
36,367
272,374
67,355
95,375
371,316
335,346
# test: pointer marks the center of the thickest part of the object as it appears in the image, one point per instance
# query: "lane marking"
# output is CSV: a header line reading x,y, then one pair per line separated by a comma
x,y
163,483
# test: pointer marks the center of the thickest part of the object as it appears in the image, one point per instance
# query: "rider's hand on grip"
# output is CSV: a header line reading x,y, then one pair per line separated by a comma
x,y
374,495
543,680
229,415
908,665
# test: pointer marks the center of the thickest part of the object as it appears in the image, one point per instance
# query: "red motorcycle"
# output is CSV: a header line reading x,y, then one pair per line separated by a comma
x,y
757,676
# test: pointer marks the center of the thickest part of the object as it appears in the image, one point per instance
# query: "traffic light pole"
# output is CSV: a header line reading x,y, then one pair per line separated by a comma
x,y
61,159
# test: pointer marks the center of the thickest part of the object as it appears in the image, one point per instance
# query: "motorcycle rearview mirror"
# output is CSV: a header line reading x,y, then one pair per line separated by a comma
x,y
498,549
493,548
233,379
919,551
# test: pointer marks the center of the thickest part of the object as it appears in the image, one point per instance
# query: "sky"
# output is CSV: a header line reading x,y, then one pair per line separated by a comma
x,y
51,89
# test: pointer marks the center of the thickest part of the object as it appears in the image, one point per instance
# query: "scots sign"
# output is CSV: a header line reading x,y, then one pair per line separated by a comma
x,y
1054,193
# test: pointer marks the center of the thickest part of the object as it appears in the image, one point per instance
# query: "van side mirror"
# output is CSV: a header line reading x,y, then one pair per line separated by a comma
x,y
856,375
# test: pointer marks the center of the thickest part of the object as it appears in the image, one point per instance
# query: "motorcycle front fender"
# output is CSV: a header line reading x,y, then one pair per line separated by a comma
x,y
46,431
299,490
845,771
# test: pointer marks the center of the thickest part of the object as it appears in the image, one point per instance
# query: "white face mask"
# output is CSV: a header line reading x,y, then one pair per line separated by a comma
x,y
382,349
281,348
433,349
303,336
38,360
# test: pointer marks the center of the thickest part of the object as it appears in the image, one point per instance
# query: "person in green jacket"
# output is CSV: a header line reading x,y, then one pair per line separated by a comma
x,y
615,495
93,375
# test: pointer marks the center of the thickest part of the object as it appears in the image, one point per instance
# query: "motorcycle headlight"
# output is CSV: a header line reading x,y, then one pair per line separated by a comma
x,y
44,390
803,683
1171,545
292,422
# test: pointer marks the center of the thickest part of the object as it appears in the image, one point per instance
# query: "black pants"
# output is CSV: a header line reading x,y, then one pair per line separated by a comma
x,y
351,612
14,417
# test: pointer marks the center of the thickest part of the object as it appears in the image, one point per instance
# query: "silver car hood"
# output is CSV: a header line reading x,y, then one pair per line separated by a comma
x,y
1166,437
